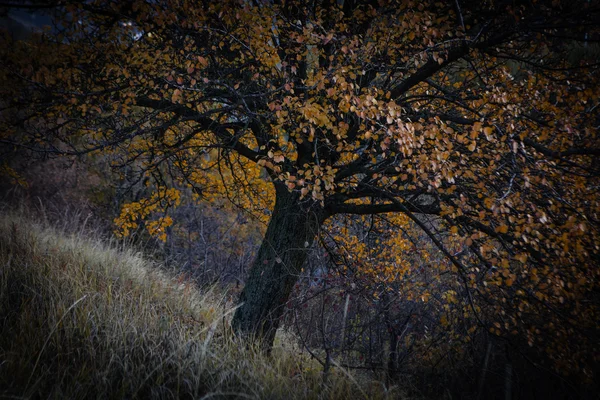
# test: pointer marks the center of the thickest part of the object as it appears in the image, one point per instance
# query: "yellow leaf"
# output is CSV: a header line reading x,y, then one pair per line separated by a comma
x,y
444,320
502,229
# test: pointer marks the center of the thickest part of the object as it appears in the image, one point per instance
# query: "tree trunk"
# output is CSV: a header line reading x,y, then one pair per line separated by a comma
x,y
293,227
392,365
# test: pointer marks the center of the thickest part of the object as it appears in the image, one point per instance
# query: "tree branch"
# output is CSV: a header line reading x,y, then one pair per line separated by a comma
x,y
221,130
368,209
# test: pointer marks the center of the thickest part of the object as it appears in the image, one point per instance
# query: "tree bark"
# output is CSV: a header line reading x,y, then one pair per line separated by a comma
x,y
293,227
392,364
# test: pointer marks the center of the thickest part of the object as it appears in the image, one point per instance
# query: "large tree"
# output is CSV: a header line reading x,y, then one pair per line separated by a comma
x,y
481,115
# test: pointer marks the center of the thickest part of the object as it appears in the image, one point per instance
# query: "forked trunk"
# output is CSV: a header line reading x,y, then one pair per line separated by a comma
x,y
293,227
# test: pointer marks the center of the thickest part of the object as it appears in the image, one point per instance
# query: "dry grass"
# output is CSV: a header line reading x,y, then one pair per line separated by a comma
x,y
80,318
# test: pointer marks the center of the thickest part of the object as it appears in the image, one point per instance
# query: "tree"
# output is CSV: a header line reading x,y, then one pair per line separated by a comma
x,y
478,120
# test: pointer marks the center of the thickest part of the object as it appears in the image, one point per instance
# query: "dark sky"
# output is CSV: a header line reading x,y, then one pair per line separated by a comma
x,y
20,22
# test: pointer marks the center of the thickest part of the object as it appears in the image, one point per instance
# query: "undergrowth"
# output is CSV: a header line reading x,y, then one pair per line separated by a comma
x,y
81,318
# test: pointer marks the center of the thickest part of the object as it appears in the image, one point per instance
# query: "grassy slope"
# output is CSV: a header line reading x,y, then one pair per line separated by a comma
x,y
83,319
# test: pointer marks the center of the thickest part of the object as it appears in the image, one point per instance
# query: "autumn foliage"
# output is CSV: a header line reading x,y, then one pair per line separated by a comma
x,y
470,129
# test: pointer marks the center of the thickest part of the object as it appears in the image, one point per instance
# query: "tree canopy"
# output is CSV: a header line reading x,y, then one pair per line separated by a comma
x,y
476,120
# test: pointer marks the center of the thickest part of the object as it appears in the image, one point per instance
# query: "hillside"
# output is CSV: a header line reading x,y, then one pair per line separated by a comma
x,y
82,318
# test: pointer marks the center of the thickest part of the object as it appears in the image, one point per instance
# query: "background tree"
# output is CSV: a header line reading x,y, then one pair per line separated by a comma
x,y
470,119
